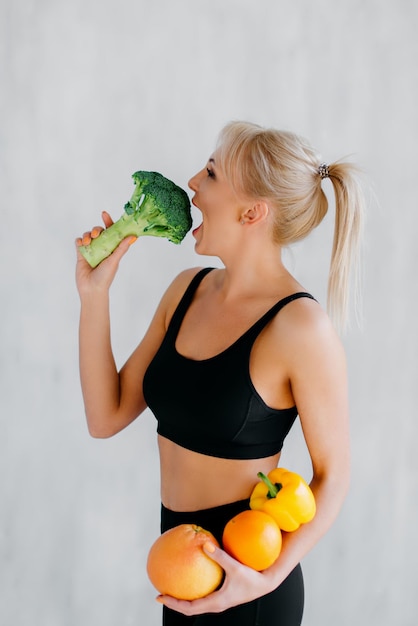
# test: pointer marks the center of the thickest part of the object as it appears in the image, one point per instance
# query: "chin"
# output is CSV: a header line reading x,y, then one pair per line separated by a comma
x,y
203,249
203,252
200,248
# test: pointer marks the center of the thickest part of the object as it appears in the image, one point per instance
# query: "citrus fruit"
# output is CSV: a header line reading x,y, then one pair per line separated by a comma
x,y
253,538
177,565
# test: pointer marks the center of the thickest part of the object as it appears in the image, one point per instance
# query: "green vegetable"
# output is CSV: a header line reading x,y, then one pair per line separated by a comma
x,y
158,207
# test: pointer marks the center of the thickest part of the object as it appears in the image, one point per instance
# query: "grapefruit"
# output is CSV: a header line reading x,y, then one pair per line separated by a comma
x,y
177,565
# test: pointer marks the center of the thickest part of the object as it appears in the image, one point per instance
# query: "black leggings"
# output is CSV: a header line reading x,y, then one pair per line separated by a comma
x,y
281,607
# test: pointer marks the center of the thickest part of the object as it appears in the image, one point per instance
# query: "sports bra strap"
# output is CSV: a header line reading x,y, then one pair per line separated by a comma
x,y
183,305
258,326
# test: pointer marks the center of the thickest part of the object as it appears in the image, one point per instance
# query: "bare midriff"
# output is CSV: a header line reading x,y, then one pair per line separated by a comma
x,y
191,481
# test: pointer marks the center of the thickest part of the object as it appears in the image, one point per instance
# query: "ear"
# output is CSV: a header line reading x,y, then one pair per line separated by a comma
x,y
256,213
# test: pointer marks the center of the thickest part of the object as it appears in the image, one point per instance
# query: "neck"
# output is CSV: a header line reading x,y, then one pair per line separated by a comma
x,y
253,272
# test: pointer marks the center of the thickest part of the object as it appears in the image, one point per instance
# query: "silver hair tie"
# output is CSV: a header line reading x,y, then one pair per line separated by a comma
x,y
323,170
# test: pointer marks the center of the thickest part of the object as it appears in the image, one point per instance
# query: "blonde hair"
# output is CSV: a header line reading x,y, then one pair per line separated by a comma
x,y
283,168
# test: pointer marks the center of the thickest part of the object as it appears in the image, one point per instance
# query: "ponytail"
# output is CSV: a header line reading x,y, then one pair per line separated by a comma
x,y
344,275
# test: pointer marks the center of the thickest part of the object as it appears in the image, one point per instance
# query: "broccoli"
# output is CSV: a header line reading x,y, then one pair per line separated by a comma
x,y
158,207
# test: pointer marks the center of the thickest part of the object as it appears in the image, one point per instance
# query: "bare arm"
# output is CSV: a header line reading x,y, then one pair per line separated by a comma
x,y
319,384
114,399
111,403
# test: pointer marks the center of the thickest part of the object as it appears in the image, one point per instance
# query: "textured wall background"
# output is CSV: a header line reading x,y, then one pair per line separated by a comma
x,y
93,90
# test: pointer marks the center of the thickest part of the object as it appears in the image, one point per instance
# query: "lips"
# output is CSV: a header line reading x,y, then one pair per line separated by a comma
x,y
195,230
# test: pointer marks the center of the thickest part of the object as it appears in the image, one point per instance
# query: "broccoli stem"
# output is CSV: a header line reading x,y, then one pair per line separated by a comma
x,y
109,239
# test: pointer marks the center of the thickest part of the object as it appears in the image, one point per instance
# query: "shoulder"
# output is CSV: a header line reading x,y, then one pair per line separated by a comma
x,y
306,334
304,315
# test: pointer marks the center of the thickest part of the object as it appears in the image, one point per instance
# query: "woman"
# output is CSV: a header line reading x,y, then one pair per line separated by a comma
x,y
242,347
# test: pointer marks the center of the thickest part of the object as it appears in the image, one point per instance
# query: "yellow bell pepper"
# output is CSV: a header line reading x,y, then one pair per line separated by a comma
x,y
286,497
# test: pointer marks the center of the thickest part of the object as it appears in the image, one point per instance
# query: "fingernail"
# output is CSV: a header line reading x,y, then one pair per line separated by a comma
x,y
159,599
132,240
209,547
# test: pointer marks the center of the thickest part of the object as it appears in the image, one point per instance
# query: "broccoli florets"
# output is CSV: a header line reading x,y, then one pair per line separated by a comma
x,y
158,207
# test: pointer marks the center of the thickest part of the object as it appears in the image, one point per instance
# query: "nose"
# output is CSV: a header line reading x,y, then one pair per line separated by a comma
x,y
194,181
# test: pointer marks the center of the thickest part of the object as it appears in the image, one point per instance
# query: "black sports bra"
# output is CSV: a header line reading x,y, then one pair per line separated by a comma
x,y
211,406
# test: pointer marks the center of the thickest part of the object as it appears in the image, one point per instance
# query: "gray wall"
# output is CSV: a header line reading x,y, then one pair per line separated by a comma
x,y
93,90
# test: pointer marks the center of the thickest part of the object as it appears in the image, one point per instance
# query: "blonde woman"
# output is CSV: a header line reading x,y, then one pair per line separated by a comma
x,y
242,351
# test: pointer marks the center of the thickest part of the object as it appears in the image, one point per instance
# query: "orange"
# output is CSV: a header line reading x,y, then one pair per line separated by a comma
x,y
177,565
253,538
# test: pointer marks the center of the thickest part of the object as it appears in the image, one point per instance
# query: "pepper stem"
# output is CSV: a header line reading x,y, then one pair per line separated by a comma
x,y
273,490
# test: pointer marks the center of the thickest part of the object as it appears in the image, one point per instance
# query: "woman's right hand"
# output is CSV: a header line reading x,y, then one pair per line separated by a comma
x,y
100,278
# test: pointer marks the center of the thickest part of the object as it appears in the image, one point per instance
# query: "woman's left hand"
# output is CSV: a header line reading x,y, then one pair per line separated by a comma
x,y
241,584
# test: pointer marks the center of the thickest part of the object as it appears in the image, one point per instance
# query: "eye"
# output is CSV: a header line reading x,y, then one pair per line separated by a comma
x,y
210,172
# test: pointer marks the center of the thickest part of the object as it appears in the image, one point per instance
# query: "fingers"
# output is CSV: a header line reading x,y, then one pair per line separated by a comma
x,y
107,219
213,603
95,232
78,244
85,240
220,556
